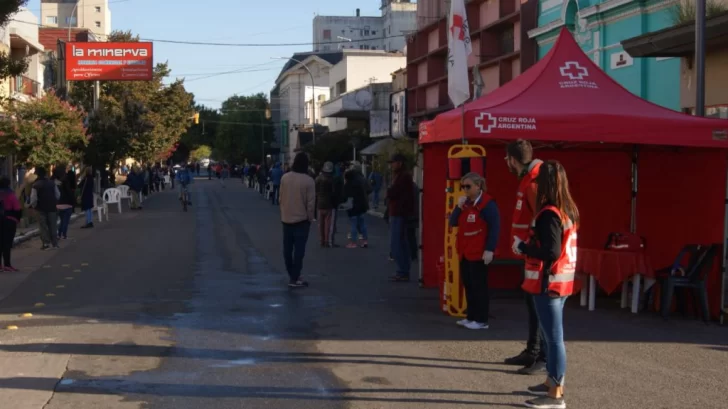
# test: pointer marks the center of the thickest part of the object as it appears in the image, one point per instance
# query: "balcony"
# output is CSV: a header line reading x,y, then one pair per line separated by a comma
x,y
359,103
24,88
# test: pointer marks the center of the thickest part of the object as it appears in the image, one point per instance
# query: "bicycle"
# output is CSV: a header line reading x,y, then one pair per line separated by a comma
x,y
185,197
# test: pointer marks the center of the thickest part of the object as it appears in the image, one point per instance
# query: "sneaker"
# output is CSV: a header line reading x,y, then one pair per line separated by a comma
x,y
45,247
546,402
352,246
463,322
540,389
364,244
538,367
10,269
298,284
476,325
525,358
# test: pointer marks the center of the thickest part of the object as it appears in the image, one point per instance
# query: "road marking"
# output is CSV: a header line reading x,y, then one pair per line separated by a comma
x,y
50,295
84,264
26,315
47,266
69,278
61,286
39,305
76,271
66,265
11,327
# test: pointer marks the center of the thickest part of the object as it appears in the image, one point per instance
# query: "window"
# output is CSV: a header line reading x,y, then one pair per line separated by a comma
x,y
98,9
366,32
374,47
98,24
506,41
327,48
343,32
52,20
71,21
374,32
327,34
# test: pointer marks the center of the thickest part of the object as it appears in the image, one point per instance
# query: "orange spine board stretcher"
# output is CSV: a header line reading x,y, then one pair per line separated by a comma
x,y
461,159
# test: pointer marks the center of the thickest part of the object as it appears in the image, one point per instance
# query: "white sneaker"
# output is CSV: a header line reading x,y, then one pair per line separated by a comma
x,y
476,325
463,322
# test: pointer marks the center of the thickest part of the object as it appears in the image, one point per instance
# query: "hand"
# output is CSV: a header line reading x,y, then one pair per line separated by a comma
x,y
516,243
487,257
461,201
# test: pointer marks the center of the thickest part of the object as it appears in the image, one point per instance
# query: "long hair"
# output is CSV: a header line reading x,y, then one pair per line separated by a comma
x,y
300,163
553,190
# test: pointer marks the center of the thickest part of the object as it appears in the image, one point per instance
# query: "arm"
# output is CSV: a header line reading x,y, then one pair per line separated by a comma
x,y
58,192
549,232
491,215
454,216
33,197
531,191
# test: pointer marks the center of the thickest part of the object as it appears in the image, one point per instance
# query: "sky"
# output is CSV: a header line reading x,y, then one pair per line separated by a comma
x,y
225,21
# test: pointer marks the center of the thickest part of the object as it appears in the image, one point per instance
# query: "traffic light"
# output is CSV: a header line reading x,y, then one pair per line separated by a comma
x,y
196,118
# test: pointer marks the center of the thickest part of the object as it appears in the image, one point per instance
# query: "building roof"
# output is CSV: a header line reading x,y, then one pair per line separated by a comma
x,y
566,97
679,41
334,57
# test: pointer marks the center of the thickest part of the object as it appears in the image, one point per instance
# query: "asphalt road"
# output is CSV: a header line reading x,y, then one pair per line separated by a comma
x,y
165,309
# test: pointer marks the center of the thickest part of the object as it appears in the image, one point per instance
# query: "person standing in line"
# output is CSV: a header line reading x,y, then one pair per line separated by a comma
x,y
478,222
197,168
276,174
66,203
338,199
520,161
400,199
298,208
414,223
375,180
209,171
44,199
355,189
87,196
136,184
550,269
9,223
325,203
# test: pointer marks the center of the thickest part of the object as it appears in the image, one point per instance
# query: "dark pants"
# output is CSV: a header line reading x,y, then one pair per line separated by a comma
x,y
274,194
7,235
400,245
474,275
65,216
47,224
295,237
412,241
535,345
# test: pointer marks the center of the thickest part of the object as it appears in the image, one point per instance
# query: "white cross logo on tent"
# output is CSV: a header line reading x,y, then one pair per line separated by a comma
x,y
485,127
574,71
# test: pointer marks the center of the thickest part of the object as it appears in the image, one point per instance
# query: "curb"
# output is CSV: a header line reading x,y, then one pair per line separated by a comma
x,y
35,232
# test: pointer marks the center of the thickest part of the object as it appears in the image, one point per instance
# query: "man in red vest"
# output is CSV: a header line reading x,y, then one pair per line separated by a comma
x,y
519,158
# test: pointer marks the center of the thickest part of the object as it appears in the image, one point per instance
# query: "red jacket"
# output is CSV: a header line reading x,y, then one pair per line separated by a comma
x,y
472,230
401,196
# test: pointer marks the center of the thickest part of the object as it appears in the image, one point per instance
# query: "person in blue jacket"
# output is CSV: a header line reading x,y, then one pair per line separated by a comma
x,y
185,178
276,174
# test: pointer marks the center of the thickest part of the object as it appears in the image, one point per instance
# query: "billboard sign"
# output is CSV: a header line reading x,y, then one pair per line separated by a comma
x,y
109,61
398,115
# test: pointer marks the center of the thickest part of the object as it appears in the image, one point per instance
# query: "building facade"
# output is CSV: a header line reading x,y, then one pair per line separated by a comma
x,y
501,51
386,32
599,26
21,39
94,15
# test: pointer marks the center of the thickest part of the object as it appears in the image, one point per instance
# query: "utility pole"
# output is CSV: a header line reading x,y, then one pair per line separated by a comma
x,y
700,57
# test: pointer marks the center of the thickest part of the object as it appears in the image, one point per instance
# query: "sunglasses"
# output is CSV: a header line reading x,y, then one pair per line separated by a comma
x,y
466,187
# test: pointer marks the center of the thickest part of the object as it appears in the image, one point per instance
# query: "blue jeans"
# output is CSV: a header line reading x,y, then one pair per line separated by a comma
x,y
295,237
550,311
89,216
375,196
399,244
358,226
65,216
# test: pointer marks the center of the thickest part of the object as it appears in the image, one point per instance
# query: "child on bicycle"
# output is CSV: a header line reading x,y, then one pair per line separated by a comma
x,y
185,178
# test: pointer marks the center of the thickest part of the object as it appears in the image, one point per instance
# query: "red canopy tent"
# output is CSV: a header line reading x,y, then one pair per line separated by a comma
x,y
605,136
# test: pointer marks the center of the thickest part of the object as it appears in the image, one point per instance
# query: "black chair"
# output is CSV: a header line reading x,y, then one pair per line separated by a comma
x,y
696,272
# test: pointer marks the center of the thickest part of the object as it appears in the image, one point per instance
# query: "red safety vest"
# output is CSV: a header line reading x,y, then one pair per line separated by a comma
x,y
561,276
472,230
523,214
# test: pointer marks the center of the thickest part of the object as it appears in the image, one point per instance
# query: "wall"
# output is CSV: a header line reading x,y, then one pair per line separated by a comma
x,y
86,14
428,11
360,69
399,19
348,27
600,35
716,81
26,26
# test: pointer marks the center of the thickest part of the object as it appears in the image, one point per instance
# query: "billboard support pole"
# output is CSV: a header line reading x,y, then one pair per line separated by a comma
x,y
97,95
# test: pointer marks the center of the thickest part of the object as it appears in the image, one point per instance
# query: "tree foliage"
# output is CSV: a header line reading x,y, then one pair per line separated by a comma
x,y
43,132
337,146
243,129
201,152
10,67
143,120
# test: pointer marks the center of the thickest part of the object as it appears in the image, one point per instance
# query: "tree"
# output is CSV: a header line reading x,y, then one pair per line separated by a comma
x,y
336,146
43,132
202,152
9,66
244,130
139,119
205,132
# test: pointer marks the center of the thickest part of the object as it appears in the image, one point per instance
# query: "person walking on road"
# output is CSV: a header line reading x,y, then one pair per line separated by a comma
x,y
87,196
44,199
401,201
184,179
12,213
276,174
325,203
356,190
298,201
338,199
520,161
478,223
66,203
550,253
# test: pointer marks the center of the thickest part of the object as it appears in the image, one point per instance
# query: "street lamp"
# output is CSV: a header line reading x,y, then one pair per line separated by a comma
x,y
313,85
262,135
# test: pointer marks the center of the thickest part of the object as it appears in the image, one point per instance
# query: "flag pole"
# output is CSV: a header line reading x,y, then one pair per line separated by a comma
x,y
462,124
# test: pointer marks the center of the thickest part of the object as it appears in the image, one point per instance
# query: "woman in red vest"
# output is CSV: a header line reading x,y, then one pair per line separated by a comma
x,y
478,223
550,266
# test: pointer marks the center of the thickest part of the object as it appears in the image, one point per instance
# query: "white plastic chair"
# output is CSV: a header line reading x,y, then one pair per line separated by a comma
x,y
124,189
100,208
111,196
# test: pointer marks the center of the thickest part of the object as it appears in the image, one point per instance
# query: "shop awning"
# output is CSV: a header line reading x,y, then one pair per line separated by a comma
x,y
377,148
